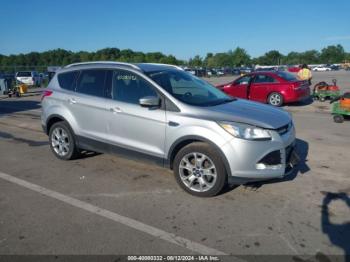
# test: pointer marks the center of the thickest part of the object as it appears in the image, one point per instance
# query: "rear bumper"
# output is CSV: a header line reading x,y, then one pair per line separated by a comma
x,y
297,95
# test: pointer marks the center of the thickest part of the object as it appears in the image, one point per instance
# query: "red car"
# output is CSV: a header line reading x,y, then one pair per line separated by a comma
x,y
294,69
274,88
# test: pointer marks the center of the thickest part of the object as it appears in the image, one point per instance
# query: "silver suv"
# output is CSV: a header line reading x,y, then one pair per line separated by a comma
x,y
163,114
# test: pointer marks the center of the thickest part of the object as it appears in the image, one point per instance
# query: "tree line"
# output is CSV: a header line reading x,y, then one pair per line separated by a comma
x,y
61,57
233,58
238,57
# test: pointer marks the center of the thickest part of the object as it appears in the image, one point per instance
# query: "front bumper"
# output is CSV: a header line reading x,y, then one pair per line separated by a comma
x,y
251,161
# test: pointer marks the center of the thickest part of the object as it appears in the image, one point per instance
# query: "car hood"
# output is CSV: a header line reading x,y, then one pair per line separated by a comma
x,y
247,112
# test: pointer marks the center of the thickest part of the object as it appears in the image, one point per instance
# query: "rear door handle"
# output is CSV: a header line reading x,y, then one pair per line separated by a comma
x,y
72,101
171,123
115,110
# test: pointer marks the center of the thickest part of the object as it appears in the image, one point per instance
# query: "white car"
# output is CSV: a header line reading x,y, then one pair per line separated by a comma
x,y
30,78
219,73
321,68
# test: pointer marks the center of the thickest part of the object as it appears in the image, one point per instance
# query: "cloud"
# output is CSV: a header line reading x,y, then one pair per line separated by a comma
x,y
337,38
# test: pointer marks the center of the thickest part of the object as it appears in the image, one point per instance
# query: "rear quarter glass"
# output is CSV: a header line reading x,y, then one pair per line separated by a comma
x,y
67,80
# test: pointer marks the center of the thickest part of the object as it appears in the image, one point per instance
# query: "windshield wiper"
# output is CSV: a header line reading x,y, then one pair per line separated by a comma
x,y
223,101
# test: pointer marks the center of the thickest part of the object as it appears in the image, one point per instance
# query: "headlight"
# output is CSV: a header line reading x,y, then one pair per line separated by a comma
x,y
246,131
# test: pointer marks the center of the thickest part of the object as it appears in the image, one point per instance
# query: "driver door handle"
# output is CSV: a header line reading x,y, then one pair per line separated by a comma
x,y
115,109
72,101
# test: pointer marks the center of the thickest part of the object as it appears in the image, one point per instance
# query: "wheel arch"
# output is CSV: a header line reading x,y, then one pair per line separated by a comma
x,y
53,119
184,141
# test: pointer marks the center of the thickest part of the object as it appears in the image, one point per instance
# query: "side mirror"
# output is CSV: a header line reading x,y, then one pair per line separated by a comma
x,y
149,101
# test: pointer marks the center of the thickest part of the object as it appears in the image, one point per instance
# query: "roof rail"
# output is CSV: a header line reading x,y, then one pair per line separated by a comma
x,y
175,66
104,62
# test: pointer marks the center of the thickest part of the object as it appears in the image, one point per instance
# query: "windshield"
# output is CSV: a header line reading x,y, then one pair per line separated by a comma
x,y
189,89
287,76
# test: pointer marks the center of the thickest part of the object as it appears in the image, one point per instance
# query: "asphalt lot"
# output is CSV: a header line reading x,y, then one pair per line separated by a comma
x,y
104,204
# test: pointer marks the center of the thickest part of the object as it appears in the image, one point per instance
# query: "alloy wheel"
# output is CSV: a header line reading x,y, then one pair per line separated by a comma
x,y
197,172
275,99
60,141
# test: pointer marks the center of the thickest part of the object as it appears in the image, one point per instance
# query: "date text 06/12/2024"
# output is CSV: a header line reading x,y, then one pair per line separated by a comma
x,y
173,258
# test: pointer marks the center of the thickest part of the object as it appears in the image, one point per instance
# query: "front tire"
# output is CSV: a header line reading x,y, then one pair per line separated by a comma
x,y
275,99
199,170
62,141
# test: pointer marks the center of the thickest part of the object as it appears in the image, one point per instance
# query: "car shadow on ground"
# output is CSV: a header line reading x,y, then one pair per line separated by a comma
x,y
338,233
84,154
29,142
305,102
302,148
14,105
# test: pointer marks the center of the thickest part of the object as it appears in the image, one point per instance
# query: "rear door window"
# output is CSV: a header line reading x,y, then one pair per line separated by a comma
x,y
94,82
67,80
260,79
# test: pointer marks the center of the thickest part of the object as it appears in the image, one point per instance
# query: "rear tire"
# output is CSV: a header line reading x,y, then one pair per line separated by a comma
x,y
338,118
275,99
62,141
199,170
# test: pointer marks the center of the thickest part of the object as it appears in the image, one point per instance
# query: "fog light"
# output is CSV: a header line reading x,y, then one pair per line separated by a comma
x,y
261,166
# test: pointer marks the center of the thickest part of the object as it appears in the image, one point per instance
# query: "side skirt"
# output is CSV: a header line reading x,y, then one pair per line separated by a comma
x,y
101,147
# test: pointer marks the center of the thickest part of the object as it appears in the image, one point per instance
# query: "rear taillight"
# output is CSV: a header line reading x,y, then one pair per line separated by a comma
x,y
45,94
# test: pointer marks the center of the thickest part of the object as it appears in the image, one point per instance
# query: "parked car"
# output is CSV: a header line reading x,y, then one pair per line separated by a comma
x,y
43,76
3,86
334,67
245,70
30,78
9,76
235,71
163,114
274,88
265,69
293,69
191,71
220,73
321,69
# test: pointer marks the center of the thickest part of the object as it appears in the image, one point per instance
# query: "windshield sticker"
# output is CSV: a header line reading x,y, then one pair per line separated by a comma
x,y
126,77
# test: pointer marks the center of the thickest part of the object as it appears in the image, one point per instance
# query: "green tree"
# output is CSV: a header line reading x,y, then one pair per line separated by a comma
x,y
240,57
196,61
272,57
207,58
293,58
332,54
310,57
